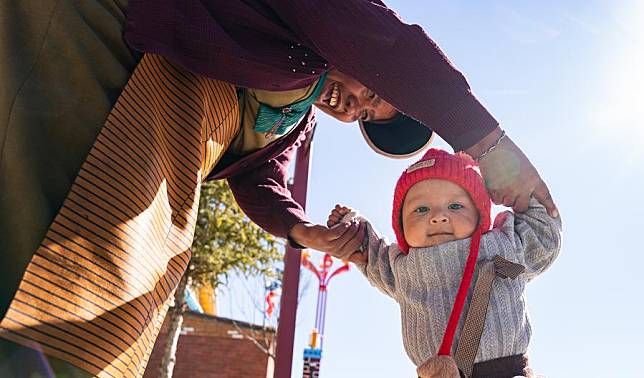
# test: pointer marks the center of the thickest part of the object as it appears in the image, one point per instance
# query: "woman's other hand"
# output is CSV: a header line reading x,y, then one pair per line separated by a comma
x,y
509,176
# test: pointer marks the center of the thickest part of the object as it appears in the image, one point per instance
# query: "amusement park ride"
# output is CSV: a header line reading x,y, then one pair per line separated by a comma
x,y
313,354
324,274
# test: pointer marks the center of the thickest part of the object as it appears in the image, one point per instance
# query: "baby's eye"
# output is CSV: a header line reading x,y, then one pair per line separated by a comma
x,y
421,209
455,206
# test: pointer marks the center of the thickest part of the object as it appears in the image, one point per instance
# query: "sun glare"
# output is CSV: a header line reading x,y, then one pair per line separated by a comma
x,y
619,116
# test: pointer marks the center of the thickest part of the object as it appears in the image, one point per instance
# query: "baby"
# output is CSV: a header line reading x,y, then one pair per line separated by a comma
x,y
441,218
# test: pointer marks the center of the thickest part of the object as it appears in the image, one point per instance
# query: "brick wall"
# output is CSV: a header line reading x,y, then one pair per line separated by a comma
x,y
207,350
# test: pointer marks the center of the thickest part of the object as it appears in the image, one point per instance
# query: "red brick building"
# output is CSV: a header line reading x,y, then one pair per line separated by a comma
x,y
212,347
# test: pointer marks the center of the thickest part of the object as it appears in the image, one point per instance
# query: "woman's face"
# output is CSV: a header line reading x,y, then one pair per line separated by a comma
x,y
345,99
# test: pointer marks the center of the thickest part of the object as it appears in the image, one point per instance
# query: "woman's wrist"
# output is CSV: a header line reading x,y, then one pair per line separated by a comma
x,y
298,235
485,145
492,147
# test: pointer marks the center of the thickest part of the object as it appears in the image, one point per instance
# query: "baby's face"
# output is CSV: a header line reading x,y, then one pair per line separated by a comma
x,y
437,211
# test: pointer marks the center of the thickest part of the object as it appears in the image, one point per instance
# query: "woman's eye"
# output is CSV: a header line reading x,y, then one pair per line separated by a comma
x,y
421,209
370,95
364,115
455,206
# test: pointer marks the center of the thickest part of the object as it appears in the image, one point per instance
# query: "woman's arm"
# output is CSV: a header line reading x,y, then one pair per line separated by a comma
x,y
263,195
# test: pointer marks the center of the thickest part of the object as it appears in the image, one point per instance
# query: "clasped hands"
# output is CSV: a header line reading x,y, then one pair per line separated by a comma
x,y
339,239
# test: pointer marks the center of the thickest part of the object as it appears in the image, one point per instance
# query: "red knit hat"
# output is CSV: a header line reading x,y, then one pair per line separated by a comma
x,y
458,168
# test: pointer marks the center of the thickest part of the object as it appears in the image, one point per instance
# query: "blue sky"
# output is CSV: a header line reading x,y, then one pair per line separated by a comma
x,y
564,80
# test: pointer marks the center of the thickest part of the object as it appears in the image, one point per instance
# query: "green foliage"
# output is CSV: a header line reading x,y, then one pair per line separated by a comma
x,y
226,240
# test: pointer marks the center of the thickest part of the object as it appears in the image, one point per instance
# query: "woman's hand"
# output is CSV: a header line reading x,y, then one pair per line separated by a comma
x,y
340,241
509,176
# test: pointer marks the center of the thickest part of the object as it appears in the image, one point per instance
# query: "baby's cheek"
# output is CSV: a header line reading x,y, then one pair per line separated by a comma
x,y
471,228
414,233
465,226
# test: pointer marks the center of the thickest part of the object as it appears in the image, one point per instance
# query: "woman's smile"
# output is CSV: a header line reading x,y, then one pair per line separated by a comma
x,y
347,100
331,94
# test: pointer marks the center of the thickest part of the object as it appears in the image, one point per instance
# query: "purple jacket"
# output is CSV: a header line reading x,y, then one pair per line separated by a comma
x,y
281,45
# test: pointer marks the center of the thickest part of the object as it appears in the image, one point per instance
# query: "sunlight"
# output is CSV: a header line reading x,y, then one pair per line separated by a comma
x,y
619,112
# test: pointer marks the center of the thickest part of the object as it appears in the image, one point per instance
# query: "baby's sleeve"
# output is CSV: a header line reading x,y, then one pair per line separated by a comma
x,y
535,237
380,257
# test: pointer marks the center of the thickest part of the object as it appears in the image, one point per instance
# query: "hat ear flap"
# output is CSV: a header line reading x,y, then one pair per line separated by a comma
x,y
404,244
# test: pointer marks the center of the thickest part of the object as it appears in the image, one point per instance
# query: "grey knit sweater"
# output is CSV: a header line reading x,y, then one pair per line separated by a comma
x,y
425,282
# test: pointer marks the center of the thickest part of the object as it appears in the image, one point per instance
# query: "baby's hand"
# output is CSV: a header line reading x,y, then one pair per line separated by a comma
x,y
342,214
337,214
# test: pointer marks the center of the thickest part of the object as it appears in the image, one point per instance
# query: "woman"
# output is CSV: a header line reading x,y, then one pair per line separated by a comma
x,y
123,143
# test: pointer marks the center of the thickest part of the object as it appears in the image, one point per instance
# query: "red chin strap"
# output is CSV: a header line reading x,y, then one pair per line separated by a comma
x,y
461,295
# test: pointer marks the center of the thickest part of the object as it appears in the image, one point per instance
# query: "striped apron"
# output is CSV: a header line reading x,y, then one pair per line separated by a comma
x,y
98,287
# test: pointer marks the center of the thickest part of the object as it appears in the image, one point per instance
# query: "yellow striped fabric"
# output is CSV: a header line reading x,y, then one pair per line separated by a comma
x,y
96,291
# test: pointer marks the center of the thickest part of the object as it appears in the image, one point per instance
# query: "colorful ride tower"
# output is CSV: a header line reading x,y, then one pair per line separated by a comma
x,y
313,354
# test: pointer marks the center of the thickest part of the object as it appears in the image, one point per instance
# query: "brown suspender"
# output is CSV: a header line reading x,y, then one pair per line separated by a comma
x,y
470,338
